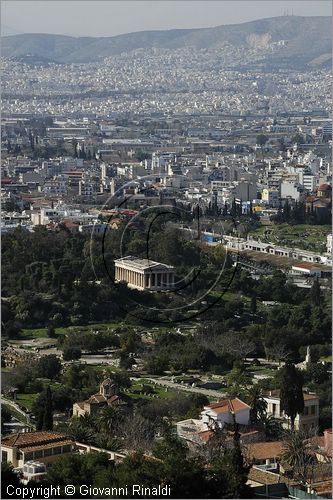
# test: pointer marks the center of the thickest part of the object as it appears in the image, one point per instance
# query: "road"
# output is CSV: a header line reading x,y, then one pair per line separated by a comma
x,y
17,408
187,388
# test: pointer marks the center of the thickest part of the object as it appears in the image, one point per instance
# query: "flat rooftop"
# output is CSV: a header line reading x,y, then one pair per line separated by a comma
x,y
141,264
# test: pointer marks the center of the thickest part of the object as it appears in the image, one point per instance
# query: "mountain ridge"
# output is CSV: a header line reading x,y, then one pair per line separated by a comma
x,y
299,32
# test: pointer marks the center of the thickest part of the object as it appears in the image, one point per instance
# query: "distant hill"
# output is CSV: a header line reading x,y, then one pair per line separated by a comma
x,y
308,41
8,30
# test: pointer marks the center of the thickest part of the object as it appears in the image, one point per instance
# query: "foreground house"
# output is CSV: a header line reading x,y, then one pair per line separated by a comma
x,y
224,412
199,431
43,446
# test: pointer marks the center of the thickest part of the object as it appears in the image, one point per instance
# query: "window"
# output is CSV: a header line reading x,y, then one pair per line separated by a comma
x,y
274,408
27,457
38,454
4,456
47,452
313,409
306,411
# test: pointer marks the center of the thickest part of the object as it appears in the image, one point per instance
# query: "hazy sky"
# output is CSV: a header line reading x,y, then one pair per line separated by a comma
x,y
108,18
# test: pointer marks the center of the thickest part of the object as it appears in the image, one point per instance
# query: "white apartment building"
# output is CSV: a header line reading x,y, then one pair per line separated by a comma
x,y
291,190
55,186
224,412
308,419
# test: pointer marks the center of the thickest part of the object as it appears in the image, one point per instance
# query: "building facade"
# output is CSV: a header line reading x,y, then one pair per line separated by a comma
x,y
144,274
308,419
44,446
107,396
225,412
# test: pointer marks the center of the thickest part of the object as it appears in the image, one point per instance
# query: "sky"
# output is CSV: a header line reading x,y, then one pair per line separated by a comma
x,y
112,17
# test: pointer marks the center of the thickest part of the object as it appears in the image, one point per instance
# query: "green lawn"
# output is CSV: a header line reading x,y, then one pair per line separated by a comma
x,y
26,400
34,333
228,295
159,391
305,236
261,370
328,359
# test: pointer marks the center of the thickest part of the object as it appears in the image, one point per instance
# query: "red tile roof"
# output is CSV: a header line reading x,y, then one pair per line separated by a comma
x,y
228,406
25,439
263,451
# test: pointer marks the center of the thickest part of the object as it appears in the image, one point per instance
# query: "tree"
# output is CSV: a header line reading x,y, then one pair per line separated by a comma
x,y
8,478
317,373
261,139
186,475
298,452
315,293
235,470
291,392
257,403
71,353
48,411
271,426
253,305
78,469
43,410
137,432
109,418
81,432
6,416
51,331
297,138
48,367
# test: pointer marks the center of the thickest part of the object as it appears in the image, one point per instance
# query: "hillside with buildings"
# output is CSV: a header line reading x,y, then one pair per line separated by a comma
x,y
166,282
293,41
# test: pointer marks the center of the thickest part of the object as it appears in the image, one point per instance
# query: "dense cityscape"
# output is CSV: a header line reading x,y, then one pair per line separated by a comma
x,y
167,264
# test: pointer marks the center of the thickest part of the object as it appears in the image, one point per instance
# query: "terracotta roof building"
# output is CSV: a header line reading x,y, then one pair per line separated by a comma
x,y
44,446
224,412
107,396
308,419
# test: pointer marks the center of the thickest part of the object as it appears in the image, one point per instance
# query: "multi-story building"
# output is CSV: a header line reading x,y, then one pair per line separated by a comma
x,y
308,419
271,197
224,412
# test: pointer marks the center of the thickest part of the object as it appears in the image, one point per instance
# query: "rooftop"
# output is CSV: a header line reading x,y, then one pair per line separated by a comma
x,y
263,451
26,439
275,394
140,264
228,406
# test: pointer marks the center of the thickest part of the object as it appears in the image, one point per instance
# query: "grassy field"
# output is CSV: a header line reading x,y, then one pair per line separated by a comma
x,y
305,236
37,333
227,296
26,400
159,392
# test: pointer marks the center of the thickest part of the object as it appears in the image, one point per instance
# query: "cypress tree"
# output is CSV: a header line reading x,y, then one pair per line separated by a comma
x,y
315,293
291,392
48,411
